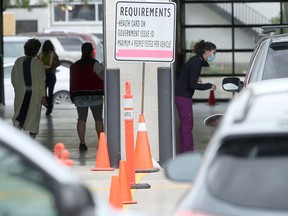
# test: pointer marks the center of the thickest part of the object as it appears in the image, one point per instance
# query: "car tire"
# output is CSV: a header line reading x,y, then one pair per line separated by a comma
x,y
61,98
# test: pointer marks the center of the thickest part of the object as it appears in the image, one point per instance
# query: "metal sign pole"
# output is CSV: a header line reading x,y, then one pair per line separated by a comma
x,y
143,86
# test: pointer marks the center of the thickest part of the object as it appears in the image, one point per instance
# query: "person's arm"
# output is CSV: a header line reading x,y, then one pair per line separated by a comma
x,y
99,70
195,70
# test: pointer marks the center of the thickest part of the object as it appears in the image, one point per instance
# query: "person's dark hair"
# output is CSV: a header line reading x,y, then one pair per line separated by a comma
x,y
48,46
203,46
87,50
32,47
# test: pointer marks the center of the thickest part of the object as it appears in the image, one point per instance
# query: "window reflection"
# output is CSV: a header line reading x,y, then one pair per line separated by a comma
x,y
80,12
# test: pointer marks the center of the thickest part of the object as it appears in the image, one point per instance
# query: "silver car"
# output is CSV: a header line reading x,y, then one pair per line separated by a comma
x,y
267,61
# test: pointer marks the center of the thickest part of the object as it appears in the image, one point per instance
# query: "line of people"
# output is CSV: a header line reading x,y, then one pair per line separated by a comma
x,y
33,78
33,75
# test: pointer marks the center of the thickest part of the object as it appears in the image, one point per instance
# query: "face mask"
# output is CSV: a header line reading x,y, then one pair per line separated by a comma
x,y
212,57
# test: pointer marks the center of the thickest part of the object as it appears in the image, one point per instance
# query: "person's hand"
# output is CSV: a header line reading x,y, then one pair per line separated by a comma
x,y
44,101
213,88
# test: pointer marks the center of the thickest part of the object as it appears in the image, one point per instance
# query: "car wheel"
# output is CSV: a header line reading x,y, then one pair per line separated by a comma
x,y
61,97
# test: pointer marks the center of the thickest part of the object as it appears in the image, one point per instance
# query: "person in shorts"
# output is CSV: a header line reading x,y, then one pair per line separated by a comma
x,y
86,91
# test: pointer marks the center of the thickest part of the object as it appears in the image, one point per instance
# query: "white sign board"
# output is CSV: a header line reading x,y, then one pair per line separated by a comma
x,y
145,31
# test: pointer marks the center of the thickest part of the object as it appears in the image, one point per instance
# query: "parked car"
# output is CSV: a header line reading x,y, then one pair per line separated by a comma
x,y
244,168
69,53
13,47
61,90
71,42
50,30
267,61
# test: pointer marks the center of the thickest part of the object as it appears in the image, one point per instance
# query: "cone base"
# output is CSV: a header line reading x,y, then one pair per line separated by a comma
x,y
102,169
140,186
129,202
147,170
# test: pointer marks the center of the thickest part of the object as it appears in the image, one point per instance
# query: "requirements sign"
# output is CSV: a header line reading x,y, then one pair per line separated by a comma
x,y
145,31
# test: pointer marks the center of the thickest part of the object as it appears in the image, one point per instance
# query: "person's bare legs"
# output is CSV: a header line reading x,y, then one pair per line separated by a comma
x,y
81,129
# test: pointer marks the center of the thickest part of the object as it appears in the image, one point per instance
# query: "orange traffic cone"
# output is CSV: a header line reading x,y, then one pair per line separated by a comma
x,y
211,100
125,191
143,159
102,158
114,196
65,158
57,149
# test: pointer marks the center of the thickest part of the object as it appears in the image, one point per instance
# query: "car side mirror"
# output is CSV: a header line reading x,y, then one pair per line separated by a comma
x,y
232,84
213,120
183,167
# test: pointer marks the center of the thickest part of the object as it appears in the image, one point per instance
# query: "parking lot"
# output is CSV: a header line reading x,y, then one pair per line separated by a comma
x,y
163,194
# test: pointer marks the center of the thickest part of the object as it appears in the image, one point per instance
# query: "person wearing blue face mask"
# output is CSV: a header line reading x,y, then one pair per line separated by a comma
x,y
187,82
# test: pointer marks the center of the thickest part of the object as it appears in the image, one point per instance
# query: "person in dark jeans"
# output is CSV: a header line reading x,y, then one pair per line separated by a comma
x,y
47,56
187,82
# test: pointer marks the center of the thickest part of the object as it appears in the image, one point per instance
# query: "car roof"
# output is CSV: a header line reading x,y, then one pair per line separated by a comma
x,y
260,108
16,38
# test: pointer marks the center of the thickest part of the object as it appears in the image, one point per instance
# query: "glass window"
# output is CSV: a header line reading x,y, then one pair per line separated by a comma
x,y
77,12
83,12
256,167
241,62
246,38
222,37
24,189
218,14
59,12
275,61
100,12
257,13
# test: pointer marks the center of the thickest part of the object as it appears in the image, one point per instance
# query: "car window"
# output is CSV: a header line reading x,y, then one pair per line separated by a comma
x,y
255,70
71,44
13,49
24,190
276,61
252,172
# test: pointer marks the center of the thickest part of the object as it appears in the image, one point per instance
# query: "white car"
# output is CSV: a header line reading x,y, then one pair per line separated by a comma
x,y
61,90
34,183
244,168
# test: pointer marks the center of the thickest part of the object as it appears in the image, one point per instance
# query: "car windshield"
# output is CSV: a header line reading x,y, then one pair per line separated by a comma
x,y
276,61
252,172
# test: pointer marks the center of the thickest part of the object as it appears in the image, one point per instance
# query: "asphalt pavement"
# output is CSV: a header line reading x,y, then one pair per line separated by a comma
x,y
163,194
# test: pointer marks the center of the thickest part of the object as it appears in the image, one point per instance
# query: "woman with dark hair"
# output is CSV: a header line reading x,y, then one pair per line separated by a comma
x,y
47,56
188,81
86,91
28,80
